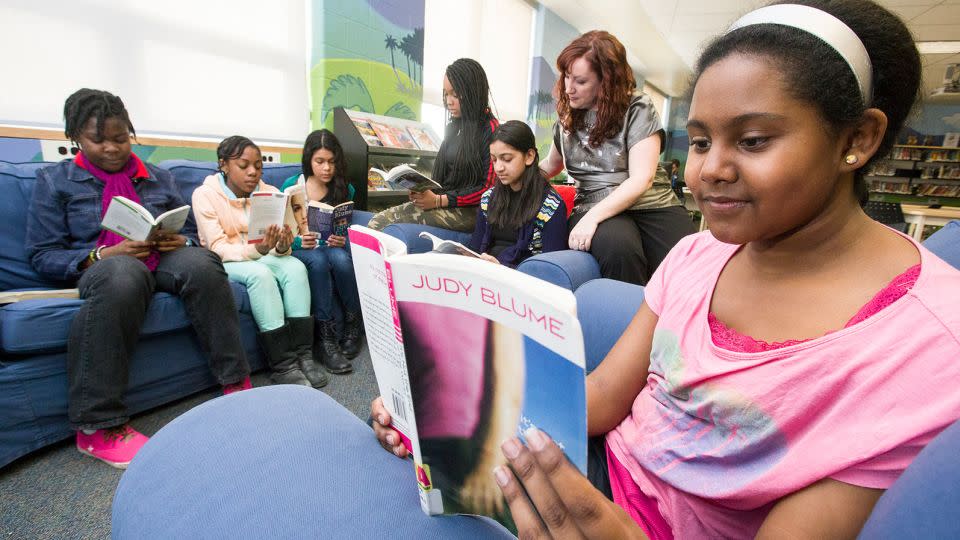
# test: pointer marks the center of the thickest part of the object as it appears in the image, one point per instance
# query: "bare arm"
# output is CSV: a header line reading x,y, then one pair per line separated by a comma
x,y
552,164
615,384
828,509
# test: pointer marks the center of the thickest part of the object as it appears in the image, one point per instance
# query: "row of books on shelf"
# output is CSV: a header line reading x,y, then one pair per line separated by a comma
x,y
924,190
380,134
945,172
942,155
949,140
907,154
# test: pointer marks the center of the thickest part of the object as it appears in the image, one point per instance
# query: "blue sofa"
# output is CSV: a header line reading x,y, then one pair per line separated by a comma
x,y
271,479
167,365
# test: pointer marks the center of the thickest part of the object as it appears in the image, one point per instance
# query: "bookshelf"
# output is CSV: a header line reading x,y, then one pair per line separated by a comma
x,y
392,143
917,174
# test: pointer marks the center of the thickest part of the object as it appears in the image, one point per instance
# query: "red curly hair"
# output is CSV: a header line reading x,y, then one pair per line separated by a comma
x,y
608,59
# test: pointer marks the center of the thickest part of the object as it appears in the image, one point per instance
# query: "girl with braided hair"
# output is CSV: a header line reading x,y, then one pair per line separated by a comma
x,y
117,277
463,165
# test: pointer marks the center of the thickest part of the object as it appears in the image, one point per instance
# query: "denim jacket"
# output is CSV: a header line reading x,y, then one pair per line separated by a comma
x,y
64,221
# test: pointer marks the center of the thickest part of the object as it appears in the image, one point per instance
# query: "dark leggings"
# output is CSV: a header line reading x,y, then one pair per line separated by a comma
x,y
631,245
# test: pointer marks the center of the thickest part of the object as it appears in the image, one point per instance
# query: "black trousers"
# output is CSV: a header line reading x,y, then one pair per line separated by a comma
x,y
631,245
116,292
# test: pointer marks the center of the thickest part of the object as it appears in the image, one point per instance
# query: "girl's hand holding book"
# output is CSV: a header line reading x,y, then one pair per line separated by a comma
x,y
425,200
140,250
336,241
170,242
549,498
308,240
270,239
285,240
388,437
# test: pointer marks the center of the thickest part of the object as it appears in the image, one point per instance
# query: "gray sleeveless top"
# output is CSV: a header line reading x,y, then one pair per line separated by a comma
x,y
597,171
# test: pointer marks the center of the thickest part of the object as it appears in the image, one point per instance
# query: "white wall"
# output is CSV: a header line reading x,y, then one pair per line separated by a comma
x,y
201,68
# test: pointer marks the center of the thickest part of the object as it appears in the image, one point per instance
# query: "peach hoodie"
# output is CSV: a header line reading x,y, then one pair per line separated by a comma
x,y
222,222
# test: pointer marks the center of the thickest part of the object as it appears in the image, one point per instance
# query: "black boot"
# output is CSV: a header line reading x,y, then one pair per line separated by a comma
x,y
301,341
352,344
281,357
326,348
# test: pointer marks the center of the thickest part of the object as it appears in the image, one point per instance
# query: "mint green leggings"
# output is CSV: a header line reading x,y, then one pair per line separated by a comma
x,y
277,286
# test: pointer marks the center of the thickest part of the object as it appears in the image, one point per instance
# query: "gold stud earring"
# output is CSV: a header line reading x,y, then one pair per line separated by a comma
x,y
851,159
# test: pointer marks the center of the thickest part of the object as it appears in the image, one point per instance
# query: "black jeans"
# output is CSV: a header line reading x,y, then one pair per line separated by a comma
x,y
631,245
116,292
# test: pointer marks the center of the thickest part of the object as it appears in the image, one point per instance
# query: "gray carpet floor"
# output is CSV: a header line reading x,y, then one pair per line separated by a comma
x,y
57,493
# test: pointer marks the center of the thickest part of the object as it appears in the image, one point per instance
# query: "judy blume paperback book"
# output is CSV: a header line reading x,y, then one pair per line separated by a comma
x,y
468,353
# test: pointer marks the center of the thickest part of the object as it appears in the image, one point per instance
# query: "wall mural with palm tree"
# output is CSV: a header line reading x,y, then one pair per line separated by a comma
x,y
367,56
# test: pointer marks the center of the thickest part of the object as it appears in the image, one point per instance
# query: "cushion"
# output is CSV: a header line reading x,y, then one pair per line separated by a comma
x,y
16,183
566,268
946,243
605,307
41,326
259,464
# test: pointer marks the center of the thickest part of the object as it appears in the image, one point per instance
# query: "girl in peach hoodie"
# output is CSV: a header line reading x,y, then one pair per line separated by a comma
x,y
276,283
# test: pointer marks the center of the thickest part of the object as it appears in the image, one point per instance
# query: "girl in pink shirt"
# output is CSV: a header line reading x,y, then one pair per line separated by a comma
x,y
790,363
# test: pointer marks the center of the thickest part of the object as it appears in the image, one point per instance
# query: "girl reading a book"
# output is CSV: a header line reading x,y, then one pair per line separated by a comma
x,y
609,141
768,385
463,165
117,277
275,281
521,215
333,285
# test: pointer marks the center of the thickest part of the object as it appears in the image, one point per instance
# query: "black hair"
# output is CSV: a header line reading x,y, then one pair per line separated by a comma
x,y
675,161
232,148
469,81
325,139
814,72
87,103
510,209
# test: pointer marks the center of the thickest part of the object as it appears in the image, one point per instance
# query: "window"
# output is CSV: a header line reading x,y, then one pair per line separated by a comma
x,y
182,67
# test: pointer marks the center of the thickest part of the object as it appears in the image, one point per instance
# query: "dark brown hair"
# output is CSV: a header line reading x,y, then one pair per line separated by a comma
x,y
608,59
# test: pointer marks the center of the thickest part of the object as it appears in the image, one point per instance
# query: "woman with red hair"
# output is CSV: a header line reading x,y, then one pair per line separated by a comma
x,y
609,139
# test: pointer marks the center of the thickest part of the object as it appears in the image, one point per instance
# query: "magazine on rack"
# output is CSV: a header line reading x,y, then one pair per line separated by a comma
x,y
468,353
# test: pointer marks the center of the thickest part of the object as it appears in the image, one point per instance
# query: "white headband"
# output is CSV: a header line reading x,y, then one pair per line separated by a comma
x,y
825,26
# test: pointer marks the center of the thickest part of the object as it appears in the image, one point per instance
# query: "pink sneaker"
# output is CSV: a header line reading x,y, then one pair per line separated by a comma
x,y
237,387
114,446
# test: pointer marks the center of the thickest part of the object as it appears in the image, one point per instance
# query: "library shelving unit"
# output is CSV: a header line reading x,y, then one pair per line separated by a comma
x,y
371,140
924,175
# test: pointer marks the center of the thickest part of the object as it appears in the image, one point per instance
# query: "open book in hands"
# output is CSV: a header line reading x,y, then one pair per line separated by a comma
x,y
326,220
448,246
406,177
266,208
134,222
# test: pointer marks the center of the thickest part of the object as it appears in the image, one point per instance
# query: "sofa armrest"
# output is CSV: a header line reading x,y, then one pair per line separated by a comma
x,y
605,307
361,217
409,233
568,268
945,243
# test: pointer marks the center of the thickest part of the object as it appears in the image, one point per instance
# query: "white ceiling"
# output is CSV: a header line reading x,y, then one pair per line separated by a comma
x,y
665,36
